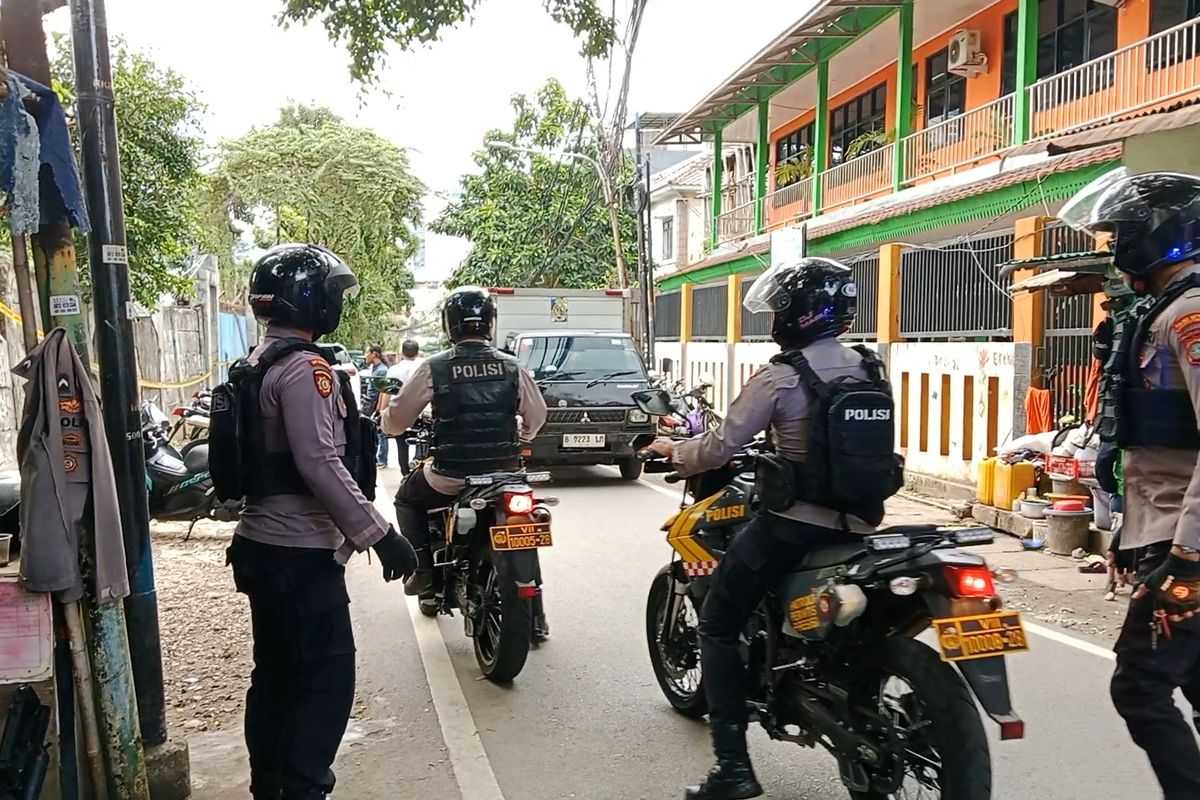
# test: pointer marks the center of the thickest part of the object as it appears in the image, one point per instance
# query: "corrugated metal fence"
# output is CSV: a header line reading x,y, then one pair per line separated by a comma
x,y
710,308
666,316
954,290
1066,354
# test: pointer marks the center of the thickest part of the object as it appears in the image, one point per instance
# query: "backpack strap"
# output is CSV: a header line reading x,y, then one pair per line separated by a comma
x,y
876,371
796,360
282,348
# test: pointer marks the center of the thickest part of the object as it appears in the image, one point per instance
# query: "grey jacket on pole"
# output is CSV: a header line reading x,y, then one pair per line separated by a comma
x,y
64,461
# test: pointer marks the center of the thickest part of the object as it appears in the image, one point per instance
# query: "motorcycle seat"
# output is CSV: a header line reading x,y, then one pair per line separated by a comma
x,y
831,555
10,489
196,459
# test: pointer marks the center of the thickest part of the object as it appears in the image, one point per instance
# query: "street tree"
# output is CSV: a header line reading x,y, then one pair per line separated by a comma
x,y
538,220
368,28
311,177
160,149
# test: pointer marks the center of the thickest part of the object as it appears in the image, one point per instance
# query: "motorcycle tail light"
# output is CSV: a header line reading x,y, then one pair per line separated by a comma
x,y
1013,729
970,581
518,503
178,412
527,592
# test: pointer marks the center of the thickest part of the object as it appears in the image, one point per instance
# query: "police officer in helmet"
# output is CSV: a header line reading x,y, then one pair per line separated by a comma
x,y
813,301
477,393
305,514
1150,404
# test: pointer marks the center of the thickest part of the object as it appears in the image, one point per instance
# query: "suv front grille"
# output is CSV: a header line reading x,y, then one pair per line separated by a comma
x,y
585,416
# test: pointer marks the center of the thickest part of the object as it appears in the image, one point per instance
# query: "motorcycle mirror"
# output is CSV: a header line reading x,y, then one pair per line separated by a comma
x,y
706,378
655,402
388,385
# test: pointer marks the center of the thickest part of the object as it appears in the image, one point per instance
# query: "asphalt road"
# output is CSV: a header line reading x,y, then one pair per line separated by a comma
x,y
586,718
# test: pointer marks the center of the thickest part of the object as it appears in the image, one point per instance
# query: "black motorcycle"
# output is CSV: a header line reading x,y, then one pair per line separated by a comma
x,y
831,651
177,480
485,548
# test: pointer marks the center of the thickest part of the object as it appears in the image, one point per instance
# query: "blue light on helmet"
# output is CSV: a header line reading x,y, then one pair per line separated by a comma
x,y
1175,253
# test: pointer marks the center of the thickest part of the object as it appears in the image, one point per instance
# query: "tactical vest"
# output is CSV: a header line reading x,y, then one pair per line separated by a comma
x,y
239,461
1130,414
476,396
851,465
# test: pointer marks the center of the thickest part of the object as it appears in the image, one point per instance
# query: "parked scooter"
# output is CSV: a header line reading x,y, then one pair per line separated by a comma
x,y
692,413
193,420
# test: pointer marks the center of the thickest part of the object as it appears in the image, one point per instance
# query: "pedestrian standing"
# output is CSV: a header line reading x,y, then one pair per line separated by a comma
x,y
1150,404
376,368
306,511
402,371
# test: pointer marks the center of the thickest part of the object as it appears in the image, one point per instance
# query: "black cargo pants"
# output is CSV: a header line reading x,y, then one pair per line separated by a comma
x,y
1144,684
414,500
759,557
302,687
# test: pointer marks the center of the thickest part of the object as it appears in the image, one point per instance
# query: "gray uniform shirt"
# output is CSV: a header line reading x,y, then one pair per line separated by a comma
x,y
775,398
303,413
404,408
1162,484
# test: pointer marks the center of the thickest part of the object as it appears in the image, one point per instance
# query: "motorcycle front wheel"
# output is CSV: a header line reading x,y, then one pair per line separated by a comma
x,y
505,627
944,749
676,660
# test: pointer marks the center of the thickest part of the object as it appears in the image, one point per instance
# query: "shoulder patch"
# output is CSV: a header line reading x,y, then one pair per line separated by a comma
x,y
323,379
1187,328
318,362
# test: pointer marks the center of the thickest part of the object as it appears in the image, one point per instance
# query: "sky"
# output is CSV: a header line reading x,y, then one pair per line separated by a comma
x,y
440,100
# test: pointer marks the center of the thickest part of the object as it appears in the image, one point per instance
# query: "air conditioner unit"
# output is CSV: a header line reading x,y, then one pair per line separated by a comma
x,y
966,57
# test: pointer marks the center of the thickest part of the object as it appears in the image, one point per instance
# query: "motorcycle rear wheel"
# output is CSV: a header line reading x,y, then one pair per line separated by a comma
x,y
947,746
681,683
505,628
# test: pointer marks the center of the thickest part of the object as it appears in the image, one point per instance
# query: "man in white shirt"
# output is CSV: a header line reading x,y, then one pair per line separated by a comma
x,y
403,371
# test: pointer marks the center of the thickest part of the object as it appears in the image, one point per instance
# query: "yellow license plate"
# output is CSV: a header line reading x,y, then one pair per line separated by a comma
x,y
965,638
521,537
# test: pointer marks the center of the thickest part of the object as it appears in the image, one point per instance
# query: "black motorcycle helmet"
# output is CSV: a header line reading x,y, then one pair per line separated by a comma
x,y
1152,217
813,298
469,311
301,286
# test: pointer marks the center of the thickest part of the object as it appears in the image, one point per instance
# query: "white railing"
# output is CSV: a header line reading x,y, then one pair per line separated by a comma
x,y
737,223
864,175
1155,70
797,192
959,142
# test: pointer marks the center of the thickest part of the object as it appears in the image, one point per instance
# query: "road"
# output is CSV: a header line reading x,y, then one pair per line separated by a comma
x,y
586,718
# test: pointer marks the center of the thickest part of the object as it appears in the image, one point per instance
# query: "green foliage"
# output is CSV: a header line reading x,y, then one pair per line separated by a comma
x,y
536,220
310,177
795,169
158,124
368,28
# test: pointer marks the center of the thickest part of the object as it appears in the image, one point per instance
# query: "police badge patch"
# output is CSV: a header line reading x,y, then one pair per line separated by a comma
x,y
1187,328
323,379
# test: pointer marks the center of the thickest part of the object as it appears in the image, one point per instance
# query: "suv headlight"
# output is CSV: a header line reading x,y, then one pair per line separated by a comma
x,y
638,417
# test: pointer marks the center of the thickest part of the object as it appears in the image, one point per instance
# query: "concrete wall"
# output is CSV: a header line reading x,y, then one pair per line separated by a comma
x,y
1173,151
687,215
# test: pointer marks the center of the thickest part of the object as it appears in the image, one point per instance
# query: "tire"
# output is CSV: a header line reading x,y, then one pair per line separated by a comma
x,y
502,646
955,730
692,702
428,606
631,469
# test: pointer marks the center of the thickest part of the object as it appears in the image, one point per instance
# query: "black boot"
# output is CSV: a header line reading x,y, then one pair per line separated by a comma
x,y
422,579
732,778
541,628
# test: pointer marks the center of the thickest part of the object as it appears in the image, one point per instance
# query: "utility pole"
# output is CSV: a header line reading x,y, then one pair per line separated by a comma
x,y
109,262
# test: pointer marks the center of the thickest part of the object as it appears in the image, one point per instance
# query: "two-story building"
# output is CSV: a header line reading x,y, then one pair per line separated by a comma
x,y
926,143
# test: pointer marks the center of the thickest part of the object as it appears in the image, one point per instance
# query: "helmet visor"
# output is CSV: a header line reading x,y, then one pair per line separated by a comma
x,y
342,284
766,294
1080,211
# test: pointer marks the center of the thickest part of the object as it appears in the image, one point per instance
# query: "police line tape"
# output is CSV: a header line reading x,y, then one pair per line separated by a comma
x,y
15,316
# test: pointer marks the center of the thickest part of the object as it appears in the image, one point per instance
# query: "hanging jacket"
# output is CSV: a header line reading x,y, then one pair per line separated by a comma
x,y
64,460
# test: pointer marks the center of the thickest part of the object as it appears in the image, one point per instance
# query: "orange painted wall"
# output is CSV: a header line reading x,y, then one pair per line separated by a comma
x,y
1133,22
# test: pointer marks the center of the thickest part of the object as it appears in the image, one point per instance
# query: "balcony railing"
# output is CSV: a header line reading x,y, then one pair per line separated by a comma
x,y
737,223
960,142
865,175
1154,71
798,192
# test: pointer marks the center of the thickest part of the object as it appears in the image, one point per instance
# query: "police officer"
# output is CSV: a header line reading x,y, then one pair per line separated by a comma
x,y
302,508
1151,404
814,302
477,393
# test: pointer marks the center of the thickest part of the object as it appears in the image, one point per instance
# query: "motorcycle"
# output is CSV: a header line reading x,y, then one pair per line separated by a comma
x,y
485,551
690,412
831,651
177,480
193,419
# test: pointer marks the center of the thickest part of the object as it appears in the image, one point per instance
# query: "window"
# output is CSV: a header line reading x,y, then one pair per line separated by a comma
x,y
580,358
1169,13
1070,32
848,122
794,149
945,92
668,238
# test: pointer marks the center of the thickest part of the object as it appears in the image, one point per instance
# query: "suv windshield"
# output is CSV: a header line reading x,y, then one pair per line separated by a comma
x,y
580,358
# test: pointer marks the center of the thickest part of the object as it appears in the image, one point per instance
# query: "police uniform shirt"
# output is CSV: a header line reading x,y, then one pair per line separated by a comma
x,y
303,413
775,397
1162,484
404,408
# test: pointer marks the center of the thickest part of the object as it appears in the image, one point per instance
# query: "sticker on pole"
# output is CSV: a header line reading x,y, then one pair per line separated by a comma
x,y
64,305
114,254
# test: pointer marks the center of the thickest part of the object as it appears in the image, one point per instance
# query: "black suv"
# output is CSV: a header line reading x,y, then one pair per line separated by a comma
x,y
587,378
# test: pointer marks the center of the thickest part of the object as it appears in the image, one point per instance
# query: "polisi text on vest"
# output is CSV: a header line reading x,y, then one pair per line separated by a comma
x,y
868,414
487,369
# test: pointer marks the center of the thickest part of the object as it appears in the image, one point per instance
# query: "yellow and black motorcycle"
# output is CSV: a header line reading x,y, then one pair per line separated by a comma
x,y
831,652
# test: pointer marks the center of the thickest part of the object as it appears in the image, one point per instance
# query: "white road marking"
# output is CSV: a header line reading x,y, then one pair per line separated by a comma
x,y
468,758
1070,641
472,769
673,494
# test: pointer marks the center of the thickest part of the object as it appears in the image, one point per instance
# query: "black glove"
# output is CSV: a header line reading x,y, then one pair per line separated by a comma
x,y
396,554
1175,585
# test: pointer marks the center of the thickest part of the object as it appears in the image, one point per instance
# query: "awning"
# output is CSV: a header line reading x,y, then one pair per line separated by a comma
x,y
1061,282
1181,115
